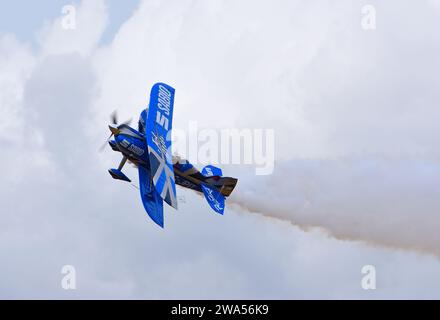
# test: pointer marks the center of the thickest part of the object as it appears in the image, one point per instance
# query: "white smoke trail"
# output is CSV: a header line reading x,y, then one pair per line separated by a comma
x,y
387,203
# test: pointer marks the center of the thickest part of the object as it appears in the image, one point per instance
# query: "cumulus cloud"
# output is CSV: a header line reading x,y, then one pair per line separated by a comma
x,y
328,88
78,29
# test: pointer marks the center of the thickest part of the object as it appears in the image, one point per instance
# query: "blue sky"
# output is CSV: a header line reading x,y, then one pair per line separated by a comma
x,y
24,17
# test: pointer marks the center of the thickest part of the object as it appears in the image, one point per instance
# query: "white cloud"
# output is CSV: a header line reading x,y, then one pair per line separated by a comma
x,y
16,62
307,70
91,19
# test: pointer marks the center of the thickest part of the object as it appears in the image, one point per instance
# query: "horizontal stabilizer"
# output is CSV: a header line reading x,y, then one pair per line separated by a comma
x,y
215,199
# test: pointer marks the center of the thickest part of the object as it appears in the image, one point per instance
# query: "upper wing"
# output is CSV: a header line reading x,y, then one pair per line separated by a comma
x,y
158,136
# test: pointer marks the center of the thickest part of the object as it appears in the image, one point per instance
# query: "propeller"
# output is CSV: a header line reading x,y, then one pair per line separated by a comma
x,y
114,119
114,128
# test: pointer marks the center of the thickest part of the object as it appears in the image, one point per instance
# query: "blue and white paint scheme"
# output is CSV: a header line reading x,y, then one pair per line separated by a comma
x,y
158,135
149,148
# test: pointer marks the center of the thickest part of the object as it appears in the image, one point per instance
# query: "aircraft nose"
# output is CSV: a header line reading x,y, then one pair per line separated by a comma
x,y
114,130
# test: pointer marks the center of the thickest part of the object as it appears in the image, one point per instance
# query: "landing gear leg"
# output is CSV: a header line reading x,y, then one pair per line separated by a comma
x,y
117,173
123,162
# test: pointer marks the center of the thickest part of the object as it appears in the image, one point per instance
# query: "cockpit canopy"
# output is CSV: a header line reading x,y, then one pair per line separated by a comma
x,y
143,121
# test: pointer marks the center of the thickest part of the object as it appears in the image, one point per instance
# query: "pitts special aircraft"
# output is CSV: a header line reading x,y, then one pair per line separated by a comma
x,y
149,149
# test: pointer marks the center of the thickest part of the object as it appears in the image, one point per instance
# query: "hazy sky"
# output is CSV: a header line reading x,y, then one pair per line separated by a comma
x,y
24,18
355,113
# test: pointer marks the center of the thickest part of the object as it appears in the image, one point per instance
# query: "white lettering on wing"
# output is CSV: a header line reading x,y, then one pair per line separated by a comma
x,y
164,107
213,199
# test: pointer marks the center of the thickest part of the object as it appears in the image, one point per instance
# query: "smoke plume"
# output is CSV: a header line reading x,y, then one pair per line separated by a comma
x,y
380,202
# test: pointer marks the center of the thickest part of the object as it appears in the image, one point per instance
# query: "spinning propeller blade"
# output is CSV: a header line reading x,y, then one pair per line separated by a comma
x,y
114,128
101,149
114,117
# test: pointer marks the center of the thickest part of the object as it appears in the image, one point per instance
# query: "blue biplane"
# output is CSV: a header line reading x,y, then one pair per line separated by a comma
x,y
149,149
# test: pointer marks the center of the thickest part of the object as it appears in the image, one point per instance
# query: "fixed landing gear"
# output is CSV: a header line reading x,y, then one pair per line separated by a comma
x,y
117,173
